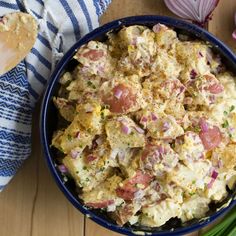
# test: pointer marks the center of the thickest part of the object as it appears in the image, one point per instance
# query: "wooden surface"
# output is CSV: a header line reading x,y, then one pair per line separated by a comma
x,y
32,205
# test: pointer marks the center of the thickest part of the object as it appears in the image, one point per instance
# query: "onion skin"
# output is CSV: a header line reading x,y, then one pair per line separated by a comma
x,y
198,11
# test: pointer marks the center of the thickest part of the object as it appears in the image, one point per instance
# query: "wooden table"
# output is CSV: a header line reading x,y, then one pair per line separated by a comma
x,y
32,204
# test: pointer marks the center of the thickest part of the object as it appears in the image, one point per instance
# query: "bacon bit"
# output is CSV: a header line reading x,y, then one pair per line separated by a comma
x,y
90,158
99,205
93,54
211,138
193,74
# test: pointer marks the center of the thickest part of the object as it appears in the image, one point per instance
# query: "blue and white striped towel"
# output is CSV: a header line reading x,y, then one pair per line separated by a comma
x,y
61,24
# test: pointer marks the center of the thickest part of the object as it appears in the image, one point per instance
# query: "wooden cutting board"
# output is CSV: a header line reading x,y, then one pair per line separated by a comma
x,y
32,205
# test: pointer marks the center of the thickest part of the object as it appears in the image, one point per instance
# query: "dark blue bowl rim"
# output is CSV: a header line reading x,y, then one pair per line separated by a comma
x,y
145,19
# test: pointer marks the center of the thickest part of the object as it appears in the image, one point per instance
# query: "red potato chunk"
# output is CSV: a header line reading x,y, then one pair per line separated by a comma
x,y
172,88
124,214
131,186
93,54
212,85
211,138
121,99
189,147
206,89
158,159
98,205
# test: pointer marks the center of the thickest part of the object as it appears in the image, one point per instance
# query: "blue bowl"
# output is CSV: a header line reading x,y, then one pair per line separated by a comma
x,y
49,117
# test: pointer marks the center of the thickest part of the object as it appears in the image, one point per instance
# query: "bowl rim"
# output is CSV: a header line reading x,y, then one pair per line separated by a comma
x,y
132,20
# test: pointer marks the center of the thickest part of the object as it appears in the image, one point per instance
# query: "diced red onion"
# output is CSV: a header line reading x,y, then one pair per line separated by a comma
x,y
99,141
139,130
166,126
161,149
219,164
156,28
77,135
118,93
125,129
203,125
231,129
214,174
198,11
120,119
154,117
62,168
121,155
144,119
200,54
88,108
139,194
74,154
193,74
210,184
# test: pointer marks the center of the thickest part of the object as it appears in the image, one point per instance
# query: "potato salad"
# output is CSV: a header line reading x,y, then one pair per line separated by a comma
x,y
150,126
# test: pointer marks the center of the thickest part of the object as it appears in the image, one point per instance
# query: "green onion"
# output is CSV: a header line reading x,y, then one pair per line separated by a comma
x,y
69,137
226,227
231,108
225,124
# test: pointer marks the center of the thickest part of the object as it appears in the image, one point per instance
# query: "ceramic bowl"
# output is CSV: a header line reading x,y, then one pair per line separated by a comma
x,y
49,125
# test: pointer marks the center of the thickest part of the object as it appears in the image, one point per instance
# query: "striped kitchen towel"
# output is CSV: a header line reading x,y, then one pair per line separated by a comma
x,y
61,23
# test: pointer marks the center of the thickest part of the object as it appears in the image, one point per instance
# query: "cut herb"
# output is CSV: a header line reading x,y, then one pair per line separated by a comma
x,y
231,108
105,107
69,137
197,129
85,168
225,124
90,84
225,113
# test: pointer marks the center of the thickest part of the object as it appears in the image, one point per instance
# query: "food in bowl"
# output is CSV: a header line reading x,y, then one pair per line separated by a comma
x,y
150,126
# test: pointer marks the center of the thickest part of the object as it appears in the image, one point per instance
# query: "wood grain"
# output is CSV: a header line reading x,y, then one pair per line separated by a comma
x,y
222,23
32,205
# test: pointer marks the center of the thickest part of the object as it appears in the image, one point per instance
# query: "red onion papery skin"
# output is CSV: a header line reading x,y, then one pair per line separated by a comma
x,y
198,11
